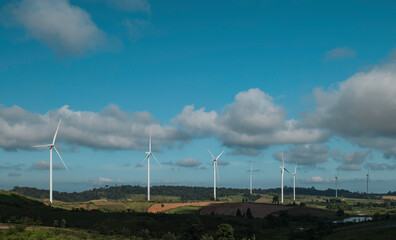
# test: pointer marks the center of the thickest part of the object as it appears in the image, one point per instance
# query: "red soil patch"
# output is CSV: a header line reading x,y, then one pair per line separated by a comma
x,y
110,204
389,197
158,207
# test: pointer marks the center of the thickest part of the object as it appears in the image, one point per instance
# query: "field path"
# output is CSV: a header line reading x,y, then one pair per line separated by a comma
x,y
166,206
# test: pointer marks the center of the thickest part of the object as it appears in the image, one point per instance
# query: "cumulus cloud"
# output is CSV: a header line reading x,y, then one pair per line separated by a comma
x,y
361,109
102,180
318,179
44,165
252,121
340,53
65,28
351,161
308,154
12,174
188,162
379,167
110,128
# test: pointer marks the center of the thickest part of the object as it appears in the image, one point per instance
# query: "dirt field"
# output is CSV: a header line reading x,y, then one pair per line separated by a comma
x,y
264,200
158,207
110,204
389,197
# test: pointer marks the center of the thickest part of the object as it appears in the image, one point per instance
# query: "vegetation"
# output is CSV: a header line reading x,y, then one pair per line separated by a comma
x,y
179,193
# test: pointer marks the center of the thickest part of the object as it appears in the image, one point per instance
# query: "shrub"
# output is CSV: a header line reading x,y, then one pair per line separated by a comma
x,y
225,232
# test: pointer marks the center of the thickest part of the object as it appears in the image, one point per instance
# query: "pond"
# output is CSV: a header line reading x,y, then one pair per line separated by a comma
x,y
354,220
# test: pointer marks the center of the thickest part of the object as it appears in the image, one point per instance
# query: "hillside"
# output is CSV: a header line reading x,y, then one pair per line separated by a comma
x,y
185,193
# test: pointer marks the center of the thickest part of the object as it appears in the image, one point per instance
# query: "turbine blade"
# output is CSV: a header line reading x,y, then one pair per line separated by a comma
x,y
148,154
219,155
42,146
286,170
211,154
155,159
56,133
150,141
56,150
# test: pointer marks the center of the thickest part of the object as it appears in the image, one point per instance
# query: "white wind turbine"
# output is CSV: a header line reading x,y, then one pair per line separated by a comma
x,y
149,153
283,169
251,178
294,182
52,146
367,180
215,167
336,183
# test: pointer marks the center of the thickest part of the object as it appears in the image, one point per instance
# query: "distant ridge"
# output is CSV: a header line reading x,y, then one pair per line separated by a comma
x,y
184,192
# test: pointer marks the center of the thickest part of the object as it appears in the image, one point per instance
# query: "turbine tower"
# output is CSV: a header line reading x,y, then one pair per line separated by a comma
x,y
336,183
367,180
251,178
294,182
215,167
283,169
52,146
149,153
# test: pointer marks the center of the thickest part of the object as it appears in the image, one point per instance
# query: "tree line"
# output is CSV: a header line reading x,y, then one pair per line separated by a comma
x,y
186,193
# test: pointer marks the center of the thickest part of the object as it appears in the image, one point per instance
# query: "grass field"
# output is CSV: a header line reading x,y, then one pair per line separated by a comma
x,y
184,210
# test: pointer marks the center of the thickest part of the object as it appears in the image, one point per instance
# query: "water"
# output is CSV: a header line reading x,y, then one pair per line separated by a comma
x,y
354,220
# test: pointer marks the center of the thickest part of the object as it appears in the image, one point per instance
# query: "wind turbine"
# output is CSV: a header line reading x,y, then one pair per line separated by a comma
x,y
251,178
215,167
149,153
294,182
367,180
336,183
52,146
283,169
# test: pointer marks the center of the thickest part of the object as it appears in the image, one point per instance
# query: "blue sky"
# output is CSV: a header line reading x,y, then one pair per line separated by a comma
x,y
315,78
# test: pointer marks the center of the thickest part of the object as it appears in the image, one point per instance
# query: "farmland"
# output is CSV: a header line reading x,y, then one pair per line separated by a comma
x,y
248,215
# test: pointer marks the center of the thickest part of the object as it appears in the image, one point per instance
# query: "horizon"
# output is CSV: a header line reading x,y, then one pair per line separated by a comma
x,y
250,78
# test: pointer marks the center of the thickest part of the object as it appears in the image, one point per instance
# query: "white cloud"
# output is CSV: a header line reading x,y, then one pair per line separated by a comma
x,y
44,165
340,53
102,180
351,161
318,179
362,109
383,166
308,154
110,128
188,162
65,28
252,121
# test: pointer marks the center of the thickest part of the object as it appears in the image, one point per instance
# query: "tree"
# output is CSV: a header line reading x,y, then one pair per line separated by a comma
x,y
63,223
225,232
238,213
249,213
194,232
56,223
275,200
340,213
207,237
168,236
